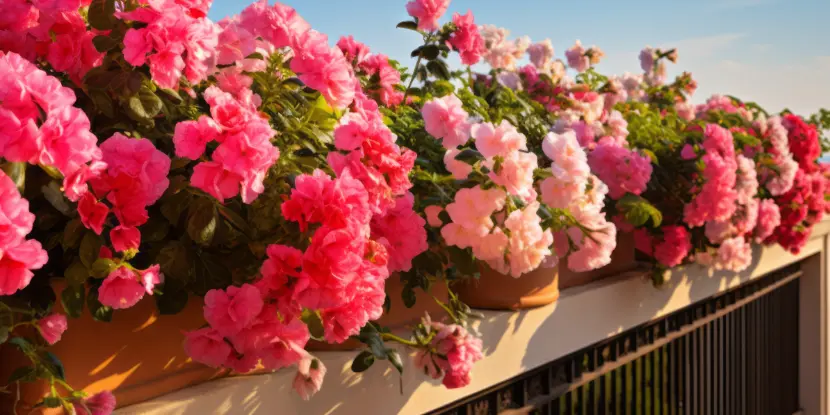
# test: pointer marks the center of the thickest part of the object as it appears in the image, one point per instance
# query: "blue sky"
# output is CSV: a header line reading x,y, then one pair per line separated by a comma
x,y
776,52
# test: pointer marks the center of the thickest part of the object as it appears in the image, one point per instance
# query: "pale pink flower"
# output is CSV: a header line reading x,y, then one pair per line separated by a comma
x,y
445,118
52,327
510,80
769,217
427,12
309,378
647,59
501,140
734,254
459,169
541,54
432,213
455,353
515,174
402,231
529,244
577,58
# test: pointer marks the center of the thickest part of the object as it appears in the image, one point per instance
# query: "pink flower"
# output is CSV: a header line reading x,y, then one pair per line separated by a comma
x,y
444,118
215,181
427,12
466,38
647,59
74,54
102,403
529,244
541,54
52,327
92,212
577,58
191,137
515,174
66,142
232,310
734,254
140,160
432,213
674,247
455,353
309,378
688,152
353,50
623,170
16,265
150,277
459,169
207,346
494,141
15,219
125,238
402,231
769,217
121,289
323,68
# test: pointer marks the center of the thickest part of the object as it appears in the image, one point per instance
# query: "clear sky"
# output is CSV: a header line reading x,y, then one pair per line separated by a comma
x,y
775,52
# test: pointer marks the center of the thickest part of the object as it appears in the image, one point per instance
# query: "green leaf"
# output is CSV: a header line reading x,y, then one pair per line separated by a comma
x,y
104,43
102,267
408,24
439,69
395,359
144,105
255,55
201,222
16,172
4,334
174,205
72,234
315,325
469,156
22,344
99,311
362,362
54,365
52,402
101,14
638,211
76,273
430,52
90,247
171,302
23,374
408,296
175,261
463,260
102,102
72,299
171,95
651,155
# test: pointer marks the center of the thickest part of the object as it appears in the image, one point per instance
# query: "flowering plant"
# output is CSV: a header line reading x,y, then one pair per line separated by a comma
x,y
150,154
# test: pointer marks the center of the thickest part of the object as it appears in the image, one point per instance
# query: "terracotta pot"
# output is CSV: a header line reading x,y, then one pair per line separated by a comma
x,y
398,317
137,356
496,291
622,260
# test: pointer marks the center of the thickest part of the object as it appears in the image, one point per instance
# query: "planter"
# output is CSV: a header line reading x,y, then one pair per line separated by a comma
x,y
137,356
496,291
399,317
622,260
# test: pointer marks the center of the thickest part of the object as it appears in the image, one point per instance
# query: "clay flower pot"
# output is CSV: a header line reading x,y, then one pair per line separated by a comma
x,y
497,291
398,317
137,356
622,260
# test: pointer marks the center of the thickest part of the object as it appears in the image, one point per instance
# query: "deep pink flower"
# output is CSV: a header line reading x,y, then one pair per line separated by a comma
x,y
674,247
215,181
232,310
121,289
455,353
102,403
353,50
140,160
52,327
92,212
402,232
16,265
622,170
191,137
15,219
466,38
150,277
125,238
207,346
427,12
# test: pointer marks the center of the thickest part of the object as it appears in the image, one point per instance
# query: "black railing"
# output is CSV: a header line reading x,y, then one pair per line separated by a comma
x,y
736,353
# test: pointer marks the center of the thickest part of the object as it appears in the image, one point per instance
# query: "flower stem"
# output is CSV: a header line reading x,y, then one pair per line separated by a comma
x,y
394,338
415,71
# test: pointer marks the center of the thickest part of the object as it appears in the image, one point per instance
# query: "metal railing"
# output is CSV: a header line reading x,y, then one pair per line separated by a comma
x,y
736,353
